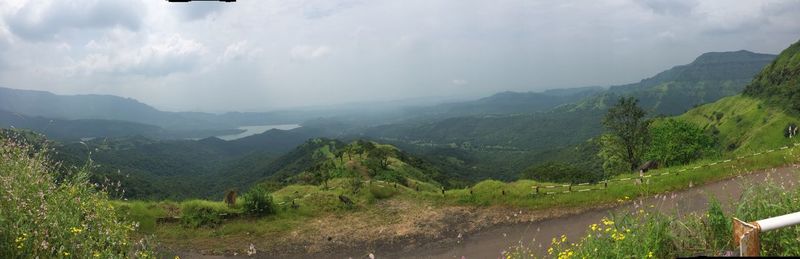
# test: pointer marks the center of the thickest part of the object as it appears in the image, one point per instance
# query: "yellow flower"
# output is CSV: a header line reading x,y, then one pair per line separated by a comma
x,y
76,230
66,253
550,250
178,257
594,227
563,238
650,255
96,254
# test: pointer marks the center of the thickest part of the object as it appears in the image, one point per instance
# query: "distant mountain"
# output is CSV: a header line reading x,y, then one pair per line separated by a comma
x,y
710,77
533,137
507,103
71,130
779,83
109,107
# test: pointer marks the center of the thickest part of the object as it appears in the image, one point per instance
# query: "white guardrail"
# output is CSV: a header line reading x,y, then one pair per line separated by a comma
x,y
746,234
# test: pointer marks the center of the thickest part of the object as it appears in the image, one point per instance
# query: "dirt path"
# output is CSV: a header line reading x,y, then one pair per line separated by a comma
x,y
404,229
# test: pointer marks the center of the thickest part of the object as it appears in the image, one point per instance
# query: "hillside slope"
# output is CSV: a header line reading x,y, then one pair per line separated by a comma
x,y
779,83
743,124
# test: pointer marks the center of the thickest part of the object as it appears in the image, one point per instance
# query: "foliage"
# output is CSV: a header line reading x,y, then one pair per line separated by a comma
x,y
258,201
381,191
40,217
626,121
652,234
778,82
674,142
559,172
612,153
199,213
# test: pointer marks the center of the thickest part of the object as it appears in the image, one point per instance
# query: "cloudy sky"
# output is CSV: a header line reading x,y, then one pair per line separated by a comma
x,y
268,54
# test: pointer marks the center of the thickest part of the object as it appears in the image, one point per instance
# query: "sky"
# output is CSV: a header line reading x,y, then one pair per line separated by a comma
x,y
259,55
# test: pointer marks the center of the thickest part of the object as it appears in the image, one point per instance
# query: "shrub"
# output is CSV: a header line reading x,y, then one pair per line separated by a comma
x,y
198,213
381,192
258,202
42,218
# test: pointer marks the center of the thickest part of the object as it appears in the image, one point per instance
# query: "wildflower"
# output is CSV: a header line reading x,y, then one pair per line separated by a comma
x,y
563,238
594,227
650,254
96,254
550,250
76,230
607,222
66,253
177,257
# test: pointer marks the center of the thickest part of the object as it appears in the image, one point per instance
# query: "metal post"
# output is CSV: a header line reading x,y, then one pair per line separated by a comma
x,y
746,234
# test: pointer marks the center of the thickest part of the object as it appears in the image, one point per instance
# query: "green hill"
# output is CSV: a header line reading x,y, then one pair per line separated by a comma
x,y
743,124
779,83
500,146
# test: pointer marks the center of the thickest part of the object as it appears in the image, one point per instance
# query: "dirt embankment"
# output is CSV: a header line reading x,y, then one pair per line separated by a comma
x,y
392,226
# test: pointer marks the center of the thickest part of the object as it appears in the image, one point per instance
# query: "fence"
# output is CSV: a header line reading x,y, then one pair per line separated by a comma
x,y
580,187
746,234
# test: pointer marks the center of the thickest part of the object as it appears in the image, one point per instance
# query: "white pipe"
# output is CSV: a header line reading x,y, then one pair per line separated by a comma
x,y
779,221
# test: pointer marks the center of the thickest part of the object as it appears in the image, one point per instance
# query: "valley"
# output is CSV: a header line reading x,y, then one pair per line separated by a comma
x,y
383,129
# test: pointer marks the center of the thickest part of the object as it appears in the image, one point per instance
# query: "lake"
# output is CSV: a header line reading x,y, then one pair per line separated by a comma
x,y
252,130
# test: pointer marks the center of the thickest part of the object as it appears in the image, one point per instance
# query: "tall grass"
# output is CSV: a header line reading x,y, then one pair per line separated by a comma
x,y
42,217
651,234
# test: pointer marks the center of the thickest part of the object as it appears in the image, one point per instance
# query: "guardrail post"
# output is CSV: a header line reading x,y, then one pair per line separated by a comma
x,y
746,234
746,237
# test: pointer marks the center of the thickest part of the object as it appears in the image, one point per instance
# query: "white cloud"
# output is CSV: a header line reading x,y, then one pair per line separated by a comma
x,y
158,57
43,20
309,52
240,50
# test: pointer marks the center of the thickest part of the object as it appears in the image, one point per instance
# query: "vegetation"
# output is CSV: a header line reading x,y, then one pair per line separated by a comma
x,y
258,201
674,142
652,234
628,132
41,216
779,83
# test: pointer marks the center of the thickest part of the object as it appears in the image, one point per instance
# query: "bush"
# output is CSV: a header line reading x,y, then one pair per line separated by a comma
x,y
381,191
42,218
198,213
258,202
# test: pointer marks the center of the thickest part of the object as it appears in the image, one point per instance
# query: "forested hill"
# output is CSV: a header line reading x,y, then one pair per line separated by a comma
x,y
482,146
710,77
780,81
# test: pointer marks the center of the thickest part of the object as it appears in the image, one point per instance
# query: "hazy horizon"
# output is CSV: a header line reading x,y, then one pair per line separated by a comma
x,y
272,55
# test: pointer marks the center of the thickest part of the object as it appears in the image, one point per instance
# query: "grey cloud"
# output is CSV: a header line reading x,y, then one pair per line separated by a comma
x,y
198,10
670,7
42,20
322,9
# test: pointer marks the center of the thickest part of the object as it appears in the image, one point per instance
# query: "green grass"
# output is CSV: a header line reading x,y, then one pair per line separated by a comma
x,y
652,234
746,122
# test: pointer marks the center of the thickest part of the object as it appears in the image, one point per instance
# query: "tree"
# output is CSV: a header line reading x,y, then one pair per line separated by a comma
x,y
612,154
324,171
677,142
626,122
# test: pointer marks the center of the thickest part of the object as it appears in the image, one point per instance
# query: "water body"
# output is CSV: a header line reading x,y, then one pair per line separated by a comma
x,y
252,130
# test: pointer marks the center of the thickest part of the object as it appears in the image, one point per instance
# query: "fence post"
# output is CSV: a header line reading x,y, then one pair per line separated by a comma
x,y
746,237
